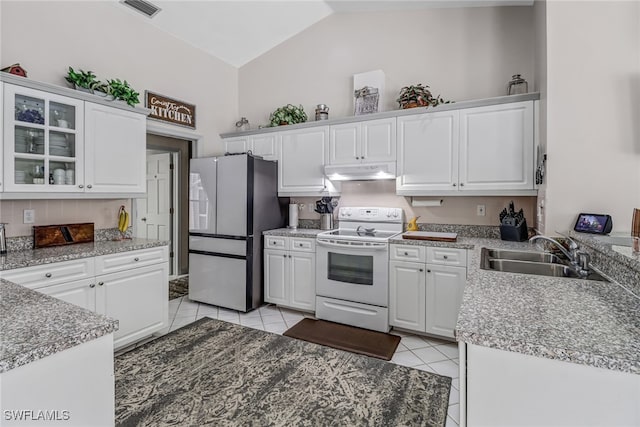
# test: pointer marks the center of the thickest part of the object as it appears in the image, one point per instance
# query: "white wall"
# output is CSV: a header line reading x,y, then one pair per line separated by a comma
x,y
593,111
107,38
540,34
462,53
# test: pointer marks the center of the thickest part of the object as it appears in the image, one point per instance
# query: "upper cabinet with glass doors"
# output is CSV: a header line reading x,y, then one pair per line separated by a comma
x,y
43,141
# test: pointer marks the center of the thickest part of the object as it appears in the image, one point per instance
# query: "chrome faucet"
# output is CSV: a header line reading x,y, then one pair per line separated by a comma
x,y
578,259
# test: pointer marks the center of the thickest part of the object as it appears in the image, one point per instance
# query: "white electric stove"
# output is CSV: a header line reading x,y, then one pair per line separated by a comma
x,y
352,267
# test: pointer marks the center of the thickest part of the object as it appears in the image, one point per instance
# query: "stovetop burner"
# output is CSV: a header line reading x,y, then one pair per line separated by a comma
x,y
369,232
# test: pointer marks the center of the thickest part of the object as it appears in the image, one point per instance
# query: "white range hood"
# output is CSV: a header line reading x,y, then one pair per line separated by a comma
x,y
361,171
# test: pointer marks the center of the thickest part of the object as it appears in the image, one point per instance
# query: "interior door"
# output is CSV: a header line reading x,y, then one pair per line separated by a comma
x,y
153,213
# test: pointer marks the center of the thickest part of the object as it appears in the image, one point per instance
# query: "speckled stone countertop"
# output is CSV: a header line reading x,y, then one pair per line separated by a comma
x,y
31,257
34,325
579,321
460,243
290,232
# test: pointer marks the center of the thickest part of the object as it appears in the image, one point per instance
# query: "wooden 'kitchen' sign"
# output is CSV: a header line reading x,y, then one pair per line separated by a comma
x,y
170,110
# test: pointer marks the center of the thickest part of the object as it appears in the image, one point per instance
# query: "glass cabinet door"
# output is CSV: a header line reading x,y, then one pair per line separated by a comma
x,y
43,146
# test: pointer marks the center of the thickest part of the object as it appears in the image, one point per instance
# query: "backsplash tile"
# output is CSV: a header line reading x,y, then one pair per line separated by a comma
x,y
21,243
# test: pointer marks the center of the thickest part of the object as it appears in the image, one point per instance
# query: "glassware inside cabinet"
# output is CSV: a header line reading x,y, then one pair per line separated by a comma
x,y
63,173
62,115
29,171
29,110
28,140
62,144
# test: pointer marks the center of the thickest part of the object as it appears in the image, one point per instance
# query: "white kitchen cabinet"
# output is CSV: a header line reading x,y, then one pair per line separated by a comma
x,y
263,145
483,150
130,286
80,292
427,153
289,274
363,142
496,147
407,295
302,156
115,152
138,298
43,134
426,287
444,289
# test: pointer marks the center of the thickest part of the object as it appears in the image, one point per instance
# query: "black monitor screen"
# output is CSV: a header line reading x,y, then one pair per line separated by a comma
x,y
591,223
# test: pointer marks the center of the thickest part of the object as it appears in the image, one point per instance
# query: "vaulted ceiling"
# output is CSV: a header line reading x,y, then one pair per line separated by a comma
x,y
239,31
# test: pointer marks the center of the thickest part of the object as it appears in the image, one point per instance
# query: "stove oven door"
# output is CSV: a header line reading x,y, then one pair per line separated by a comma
x,y
353,271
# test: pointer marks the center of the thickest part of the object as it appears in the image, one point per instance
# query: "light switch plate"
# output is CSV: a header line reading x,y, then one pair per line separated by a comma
x,y
29,216
481,210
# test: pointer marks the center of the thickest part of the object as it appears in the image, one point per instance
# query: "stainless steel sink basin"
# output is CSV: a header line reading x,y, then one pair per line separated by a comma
x,y
530,262
522,256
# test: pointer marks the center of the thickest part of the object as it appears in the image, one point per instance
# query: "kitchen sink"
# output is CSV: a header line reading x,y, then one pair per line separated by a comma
x,y
530,262
522,256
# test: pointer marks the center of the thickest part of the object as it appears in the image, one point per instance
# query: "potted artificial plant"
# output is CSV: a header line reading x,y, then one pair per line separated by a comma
x,y
288,115
122,91
418,96
82,80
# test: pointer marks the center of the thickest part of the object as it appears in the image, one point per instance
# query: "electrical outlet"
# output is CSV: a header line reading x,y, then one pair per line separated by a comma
x,y
481,210
29,216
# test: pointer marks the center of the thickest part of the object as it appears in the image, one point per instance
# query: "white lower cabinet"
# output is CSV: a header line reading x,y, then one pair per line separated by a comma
x,y
137,299
289,274
136,294
426,296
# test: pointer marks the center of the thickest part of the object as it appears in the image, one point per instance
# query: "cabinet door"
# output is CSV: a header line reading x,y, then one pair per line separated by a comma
x,y
236,145
275,276
264,145
81,293
427,153
115,154
496,147
138,298
407,295
303,154
445,286
344,143
43,141
302,278
379,140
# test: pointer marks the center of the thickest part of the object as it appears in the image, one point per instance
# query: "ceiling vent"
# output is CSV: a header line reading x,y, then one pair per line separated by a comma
x,y
147,9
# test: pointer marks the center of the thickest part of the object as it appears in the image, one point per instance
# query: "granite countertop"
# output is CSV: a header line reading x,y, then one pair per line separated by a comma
x,y
34,325
579,321
290,232
31,257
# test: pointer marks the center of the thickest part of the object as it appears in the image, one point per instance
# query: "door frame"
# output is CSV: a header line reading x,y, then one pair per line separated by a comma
x,y
181,237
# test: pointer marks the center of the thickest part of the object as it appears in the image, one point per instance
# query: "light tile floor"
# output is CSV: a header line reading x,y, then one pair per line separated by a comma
x,y
419,352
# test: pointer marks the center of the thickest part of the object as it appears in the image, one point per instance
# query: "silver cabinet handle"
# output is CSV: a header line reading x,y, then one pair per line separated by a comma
x,y
289,256
273,243
362,157
47,275
422,269
454,184
285,255
300,245
89,186
406,254
428,271
92,285
357,158
80,186
100,283
136,259
462,184
143,219
445,257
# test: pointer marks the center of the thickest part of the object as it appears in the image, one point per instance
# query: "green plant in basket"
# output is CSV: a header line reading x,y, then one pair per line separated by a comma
x,y
418,96
121,90
82,79
288,115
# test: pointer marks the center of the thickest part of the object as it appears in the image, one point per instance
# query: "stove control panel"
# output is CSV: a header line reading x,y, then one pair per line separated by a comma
x,y
370,214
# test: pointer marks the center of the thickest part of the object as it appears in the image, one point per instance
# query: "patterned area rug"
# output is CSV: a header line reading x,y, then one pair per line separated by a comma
x,y
217,373
178,287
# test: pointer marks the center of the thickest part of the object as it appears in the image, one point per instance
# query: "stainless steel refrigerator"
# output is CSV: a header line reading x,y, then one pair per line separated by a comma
x,y
232,200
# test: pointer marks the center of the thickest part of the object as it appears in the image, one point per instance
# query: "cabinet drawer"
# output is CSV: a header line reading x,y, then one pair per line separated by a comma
x,y
302,244
407,253
447,256
275,242
51,274
131,259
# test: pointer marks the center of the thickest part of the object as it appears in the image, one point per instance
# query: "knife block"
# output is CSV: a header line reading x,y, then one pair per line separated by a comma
x,y
514,233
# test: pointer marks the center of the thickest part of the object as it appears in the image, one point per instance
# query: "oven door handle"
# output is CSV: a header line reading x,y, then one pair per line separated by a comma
x,y
372,246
